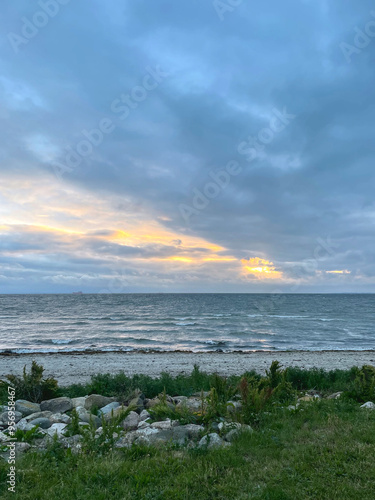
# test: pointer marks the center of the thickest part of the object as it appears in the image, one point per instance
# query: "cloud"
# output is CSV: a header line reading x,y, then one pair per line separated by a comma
x,y
118,209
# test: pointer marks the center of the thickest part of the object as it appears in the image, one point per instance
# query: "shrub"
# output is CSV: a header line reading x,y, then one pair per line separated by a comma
x,y
32,386
363,386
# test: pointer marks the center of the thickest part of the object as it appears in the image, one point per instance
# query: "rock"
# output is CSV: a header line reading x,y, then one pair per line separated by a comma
x,y
144,415
229,426
234,406
39,414
14,415
369,405
211,441
335,395
159,438
97,401
127,440
57,405
31,427
22,447
60,418
87,417
56,429
148,431
143,424
179,399
131,421
4,437
232,435
180,435
191,404
137,403
165,424
193,430
22,424
26,407
150,403
115,413
108,408
79,401
43,423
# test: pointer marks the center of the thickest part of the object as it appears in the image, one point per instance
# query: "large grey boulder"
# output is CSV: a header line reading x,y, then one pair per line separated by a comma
x,y
26,407
193,430
97,401
57,405
87,417
10,417
131,421
57,429
60,418
22,424
117,412
39,414
43,423
144,415
108,408
191,404
79,401
211,441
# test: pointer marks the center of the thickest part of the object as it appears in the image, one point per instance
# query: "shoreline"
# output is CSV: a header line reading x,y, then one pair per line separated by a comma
x,y
77,367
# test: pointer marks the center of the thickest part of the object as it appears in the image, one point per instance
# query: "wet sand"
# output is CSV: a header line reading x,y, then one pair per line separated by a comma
x,y
70,368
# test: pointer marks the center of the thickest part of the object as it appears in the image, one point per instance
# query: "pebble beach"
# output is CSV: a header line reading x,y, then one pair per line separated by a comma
x,y
70,368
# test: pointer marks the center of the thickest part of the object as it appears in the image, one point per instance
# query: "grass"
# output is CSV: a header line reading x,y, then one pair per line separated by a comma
x,y
324,451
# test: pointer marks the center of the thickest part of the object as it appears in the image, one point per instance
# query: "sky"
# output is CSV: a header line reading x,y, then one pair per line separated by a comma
x,y
173,146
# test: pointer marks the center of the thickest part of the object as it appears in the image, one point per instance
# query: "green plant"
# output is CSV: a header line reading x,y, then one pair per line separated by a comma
x,y
28,436
103,442
32,386
363,386
73,427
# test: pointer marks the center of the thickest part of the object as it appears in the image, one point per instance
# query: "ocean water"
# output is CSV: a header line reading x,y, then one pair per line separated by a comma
x,y
191,322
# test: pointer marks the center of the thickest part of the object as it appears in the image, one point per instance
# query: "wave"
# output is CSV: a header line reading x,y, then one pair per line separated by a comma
x,y
187,323
62,341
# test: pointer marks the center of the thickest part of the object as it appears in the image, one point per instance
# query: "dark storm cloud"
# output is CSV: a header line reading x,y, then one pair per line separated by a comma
x,y
313,181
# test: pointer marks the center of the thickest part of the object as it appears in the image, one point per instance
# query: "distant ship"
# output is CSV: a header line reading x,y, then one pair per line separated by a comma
x,y
77,293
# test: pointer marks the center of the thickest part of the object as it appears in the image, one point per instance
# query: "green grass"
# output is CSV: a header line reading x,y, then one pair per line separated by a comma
x,y
323,451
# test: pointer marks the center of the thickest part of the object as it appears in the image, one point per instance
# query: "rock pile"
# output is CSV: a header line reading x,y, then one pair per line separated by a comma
x,y
51,419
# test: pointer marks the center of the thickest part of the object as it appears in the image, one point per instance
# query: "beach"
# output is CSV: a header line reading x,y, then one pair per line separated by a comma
x,y
70,368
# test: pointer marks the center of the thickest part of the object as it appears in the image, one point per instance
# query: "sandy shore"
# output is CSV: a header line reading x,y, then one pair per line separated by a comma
x,y
78,367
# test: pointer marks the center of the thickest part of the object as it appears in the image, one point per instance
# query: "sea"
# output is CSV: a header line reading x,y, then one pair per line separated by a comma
x,y
186,322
